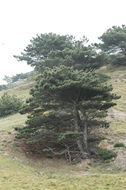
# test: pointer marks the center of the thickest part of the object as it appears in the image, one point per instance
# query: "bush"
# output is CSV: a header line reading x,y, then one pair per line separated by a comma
x,y
9,104
106,154
3,87
119,144
20,76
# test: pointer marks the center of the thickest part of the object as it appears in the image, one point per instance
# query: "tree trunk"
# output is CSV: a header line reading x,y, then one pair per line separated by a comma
x,y
78,129
85,137
81,148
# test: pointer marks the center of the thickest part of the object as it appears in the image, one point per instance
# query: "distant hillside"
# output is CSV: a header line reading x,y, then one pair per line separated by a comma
x,y
20,88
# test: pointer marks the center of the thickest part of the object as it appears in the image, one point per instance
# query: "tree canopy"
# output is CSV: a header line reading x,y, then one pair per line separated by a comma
x,y
114,44
40,47
48,50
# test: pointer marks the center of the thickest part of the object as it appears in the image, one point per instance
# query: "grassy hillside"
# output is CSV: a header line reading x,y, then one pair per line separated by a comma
x,y
20,170
118,113
16,175
21,90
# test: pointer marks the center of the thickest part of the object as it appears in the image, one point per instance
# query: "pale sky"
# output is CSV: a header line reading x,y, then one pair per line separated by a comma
x,y
20,20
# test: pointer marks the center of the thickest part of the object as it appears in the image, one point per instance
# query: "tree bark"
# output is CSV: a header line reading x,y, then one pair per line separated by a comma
x,y
85,137
78,129
81,148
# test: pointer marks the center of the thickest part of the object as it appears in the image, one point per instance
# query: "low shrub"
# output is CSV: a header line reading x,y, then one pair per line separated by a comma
x,y
119,144
3,87
106,154
9,104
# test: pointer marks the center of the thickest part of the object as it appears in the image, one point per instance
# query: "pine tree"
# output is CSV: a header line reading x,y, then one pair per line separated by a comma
x,y
66,106
114,45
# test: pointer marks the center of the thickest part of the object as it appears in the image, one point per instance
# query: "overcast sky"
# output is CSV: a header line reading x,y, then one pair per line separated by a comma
x,y
20,20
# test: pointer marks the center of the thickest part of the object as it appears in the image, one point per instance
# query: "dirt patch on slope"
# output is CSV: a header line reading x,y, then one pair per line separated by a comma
x,y
116,116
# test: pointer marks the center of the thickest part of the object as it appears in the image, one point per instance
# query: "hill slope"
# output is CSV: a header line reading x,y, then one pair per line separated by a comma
x,y
20,170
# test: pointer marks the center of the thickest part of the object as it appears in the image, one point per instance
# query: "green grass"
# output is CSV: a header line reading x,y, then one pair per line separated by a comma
x,y
16,175
7,124
118,81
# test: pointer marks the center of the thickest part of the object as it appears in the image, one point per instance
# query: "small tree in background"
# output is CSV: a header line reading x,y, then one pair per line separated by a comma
x,y
3,87
19,76
16,77
9,104
114,44
7,79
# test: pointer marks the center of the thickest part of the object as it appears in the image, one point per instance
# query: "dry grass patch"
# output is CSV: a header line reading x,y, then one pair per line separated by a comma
x,y
16,175
118,128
